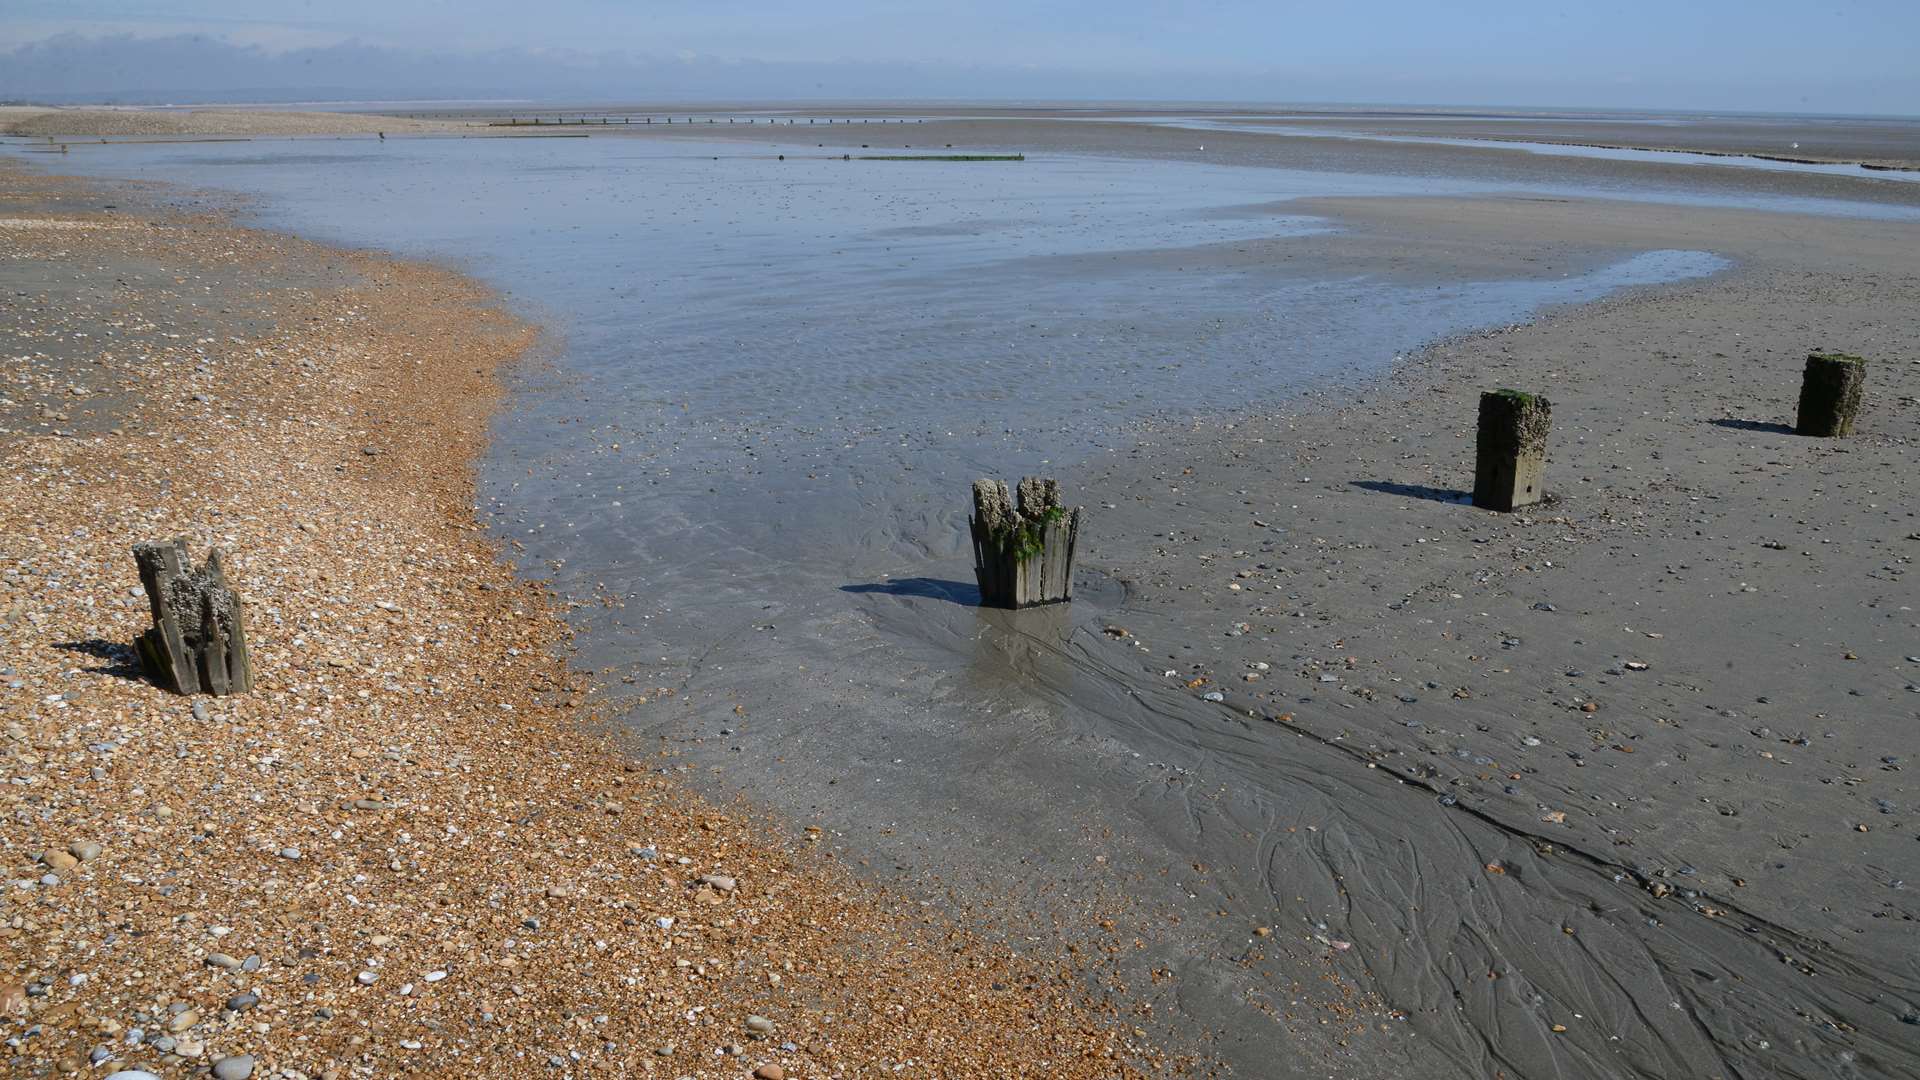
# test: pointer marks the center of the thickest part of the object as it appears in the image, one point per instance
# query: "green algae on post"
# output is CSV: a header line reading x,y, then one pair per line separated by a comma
x,y
1830,391
1511,450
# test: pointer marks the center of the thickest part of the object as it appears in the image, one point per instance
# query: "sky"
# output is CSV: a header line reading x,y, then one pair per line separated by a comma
x,y
1849,56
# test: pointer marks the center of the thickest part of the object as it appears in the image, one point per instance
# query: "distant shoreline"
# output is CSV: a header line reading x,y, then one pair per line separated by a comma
x,y
1851,141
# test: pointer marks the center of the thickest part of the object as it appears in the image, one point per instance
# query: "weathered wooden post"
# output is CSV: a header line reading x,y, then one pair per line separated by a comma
x,y
198,644
1511,450
1023,554
1830,391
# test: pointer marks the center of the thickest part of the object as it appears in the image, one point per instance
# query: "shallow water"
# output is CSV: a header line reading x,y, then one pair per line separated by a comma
x,y
851,341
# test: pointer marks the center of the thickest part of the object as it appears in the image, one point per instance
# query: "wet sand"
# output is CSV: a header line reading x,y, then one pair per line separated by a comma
x,y
1459,867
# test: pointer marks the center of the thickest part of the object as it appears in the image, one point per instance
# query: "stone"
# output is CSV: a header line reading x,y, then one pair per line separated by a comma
x,y
769,1072
237,1067
367,978
243,1002
84,850
132,1074
760,1026
719,881
59,860
183,1021
222,961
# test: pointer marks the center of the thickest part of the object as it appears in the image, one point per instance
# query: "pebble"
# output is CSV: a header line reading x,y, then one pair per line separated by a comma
x,y
289,852
183,1021
769,1072
759,1025
238,1067
222,961
84,850
200,710
720,881
367,978
243,1002
132,1074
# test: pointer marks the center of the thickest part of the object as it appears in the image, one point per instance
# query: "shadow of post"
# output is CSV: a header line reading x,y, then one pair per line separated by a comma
x,y
1415,491
964,593
121,663
1755,425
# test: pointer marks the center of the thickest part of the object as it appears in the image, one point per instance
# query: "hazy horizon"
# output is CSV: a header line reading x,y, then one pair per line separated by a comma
x,y
1719,56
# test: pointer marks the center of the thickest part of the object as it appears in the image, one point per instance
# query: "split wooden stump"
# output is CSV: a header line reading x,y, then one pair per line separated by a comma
x,y
198,644
1830,392
1023,553
1511,450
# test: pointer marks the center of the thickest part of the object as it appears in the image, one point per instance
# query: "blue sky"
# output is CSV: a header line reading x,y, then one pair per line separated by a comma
x,y
1842,55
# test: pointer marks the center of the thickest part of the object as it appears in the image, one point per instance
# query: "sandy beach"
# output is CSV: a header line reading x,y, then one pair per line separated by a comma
x,y
416,847
1322,773
76,122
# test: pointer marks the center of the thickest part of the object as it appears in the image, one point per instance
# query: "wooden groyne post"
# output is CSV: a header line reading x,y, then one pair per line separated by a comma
x,y
1511,450
1830,392
198,644
1023,551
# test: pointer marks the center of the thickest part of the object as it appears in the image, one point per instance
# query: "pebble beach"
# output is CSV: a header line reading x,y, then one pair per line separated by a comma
x,y
415,848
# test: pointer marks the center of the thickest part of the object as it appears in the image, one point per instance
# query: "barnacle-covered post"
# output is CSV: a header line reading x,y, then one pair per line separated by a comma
x,y
198,644
1023,552
1511,450
1830,391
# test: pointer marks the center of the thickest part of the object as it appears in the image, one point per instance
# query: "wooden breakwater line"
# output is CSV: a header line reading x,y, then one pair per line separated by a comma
x,y
609,120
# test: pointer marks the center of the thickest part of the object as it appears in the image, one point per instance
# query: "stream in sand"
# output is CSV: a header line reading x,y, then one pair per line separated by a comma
x,y
773,381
